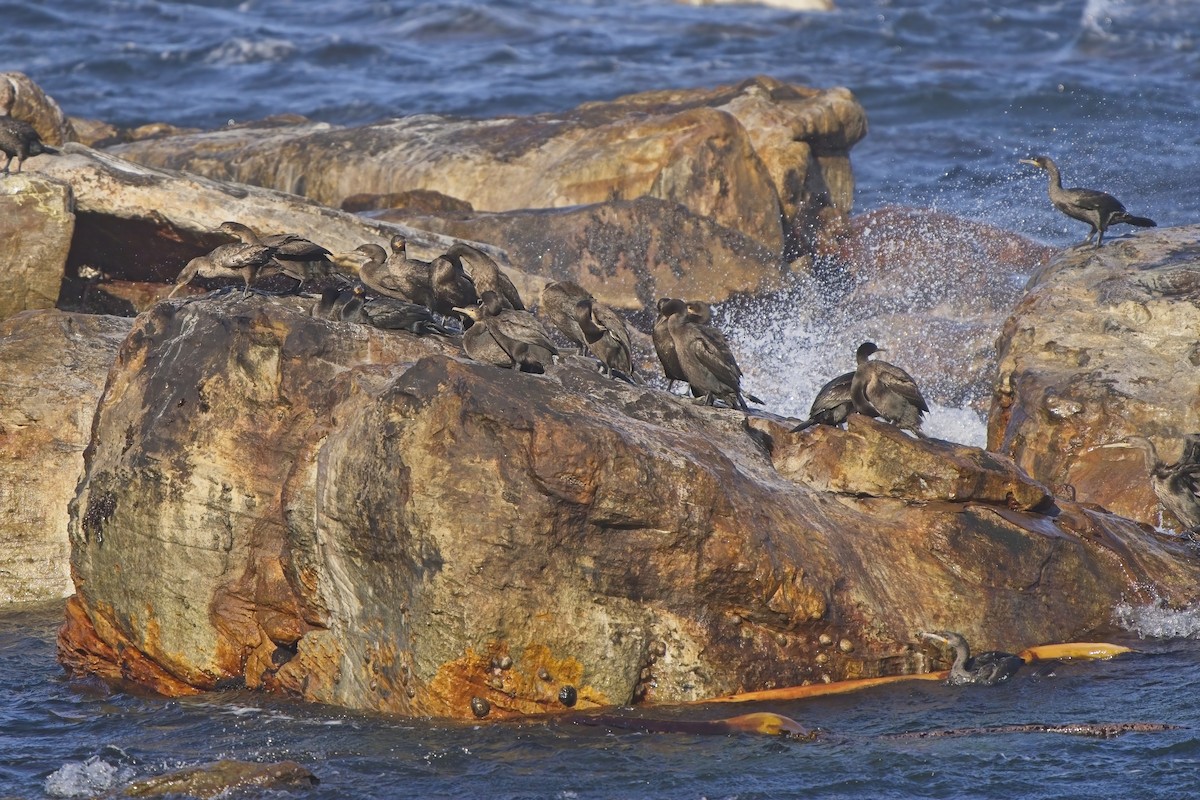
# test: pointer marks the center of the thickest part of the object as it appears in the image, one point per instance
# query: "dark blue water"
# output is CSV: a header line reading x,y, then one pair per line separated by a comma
x,y
63,738
955,93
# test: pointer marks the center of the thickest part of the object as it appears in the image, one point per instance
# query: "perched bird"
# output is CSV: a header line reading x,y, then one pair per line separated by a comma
x,y
880,389
339,305
486,274
1098,209
19,140
388,313
985,669
293,253
664,345
1177,485
832,405
700,313
557,305
232,260
606,336
707,362
453,289
395,277
518,335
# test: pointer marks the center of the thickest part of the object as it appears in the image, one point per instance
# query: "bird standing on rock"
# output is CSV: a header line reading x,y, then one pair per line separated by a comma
x,y
606,336
486,274
1177,485
708,364
880,389
19,140
832,405
664,345
234,260
292,251
517,334
1096,208
557,304
453,289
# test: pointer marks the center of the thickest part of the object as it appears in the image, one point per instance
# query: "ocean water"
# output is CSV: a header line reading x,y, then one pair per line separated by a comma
x,y
955,93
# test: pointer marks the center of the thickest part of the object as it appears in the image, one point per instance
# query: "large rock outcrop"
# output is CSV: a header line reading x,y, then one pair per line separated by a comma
x,y
762,158
366,519
1104,347
54,367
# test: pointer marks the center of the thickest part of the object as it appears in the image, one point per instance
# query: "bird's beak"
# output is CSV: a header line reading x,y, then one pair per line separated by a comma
x,y
1029,161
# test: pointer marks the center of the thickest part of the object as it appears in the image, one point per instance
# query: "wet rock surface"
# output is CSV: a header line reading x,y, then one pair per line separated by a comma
x,y
1104,347
363,518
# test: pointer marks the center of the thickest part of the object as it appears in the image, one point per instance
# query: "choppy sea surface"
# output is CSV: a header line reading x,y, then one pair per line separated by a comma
x,y
955,93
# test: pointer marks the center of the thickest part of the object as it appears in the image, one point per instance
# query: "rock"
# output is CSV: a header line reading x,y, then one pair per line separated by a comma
x,y
26,100
418,201
54,370
222,777
1103,347
36,223
748,156
627,253
368,520
143,225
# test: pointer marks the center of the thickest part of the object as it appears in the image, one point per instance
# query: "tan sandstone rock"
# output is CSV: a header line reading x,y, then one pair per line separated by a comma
x,y
53,370
761,158
362,518
37,221
1103,347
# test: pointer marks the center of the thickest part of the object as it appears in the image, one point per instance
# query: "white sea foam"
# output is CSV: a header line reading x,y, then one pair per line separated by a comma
x,y
86,778
249,51
1157,621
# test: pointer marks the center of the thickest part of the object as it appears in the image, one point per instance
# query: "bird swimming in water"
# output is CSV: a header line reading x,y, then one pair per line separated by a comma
x,y
1177,485
19,140
880,389
518,334
664,345
232,260
832,405
557,304
985,669
1096,208
292,251
606,336
707,362
487,275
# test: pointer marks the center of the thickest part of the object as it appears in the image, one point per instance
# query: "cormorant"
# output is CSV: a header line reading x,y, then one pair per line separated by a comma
x,y
701,312
339,305
290,248
518,334
707,362
1177,485
832,405
388,313
557,305
664,345
232,260
606,336
880,389
398,278
1098,209
19,140
986,669
453,289
487,275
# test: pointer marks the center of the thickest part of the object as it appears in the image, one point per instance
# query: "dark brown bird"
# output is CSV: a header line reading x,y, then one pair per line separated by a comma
x,y
606,336
664,345
486,274
398,278
295,256
557,305
708,364
234,260
832,405
19,140
518,334
1098,209
985,669
700,312
880,389
452,289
